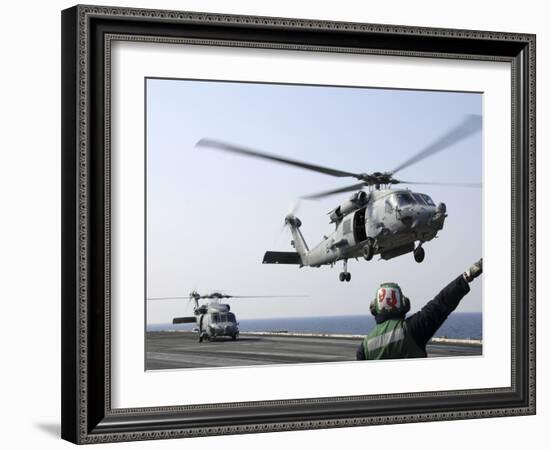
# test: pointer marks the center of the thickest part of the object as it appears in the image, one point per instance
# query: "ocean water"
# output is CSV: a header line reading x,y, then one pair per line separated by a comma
x,y
457,325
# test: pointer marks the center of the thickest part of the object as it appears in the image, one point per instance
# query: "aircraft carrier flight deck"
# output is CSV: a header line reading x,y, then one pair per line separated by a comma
x,y
181,350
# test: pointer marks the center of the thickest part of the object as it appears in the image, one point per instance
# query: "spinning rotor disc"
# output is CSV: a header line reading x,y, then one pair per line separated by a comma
x,y
470,125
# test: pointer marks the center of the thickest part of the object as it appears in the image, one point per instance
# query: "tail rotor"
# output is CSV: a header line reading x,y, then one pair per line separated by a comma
x,y
291,211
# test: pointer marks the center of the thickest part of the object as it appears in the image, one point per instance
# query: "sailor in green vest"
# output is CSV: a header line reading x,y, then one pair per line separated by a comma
x,y
395,336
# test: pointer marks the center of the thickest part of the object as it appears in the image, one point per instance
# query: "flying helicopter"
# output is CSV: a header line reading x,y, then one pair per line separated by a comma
x,y
213,319
385,221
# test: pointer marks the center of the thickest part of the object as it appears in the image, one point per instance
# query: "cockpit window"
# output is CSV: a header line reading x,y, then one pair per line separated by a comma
x,y
231,317
419,199
404,199
427,199
223,317
215,317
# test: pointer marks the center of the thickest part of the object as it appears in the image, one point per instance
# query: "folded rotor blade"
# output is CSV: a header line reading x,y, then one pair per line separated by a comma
x,y
249,152
466,185
470,125
169,298
353,187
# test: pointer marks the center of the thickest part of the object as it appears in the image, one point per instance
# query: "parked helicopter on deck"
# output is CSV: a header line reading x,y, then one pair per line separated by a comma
x,y
383,221
213,319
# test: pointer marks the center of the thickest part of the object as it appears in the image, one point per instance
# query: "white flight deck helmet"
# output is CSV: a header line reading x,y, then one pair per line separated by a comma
x,y
390,301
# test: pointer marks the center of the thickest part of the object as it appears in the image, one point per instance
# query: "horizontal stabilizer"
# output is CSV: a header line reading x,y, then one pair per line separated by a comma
x,y
184,320
282,258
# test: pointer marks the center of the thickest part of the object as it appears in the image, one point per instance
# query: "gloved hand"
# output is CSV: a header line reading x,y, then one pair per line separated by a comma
x,y
474,271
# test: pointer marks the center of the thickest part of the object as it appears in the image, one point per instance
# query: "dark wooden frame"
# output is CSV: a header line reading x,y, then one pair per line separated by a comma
x,y
87,415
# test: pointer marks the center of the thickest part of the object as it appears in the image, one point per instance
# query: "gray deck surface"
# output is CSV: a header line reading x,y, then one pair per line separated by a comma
x,y
177,350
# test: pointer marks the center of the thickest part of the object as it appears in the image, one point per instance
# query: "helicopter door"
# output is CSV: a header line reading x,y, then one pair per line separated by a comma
x,y
359,226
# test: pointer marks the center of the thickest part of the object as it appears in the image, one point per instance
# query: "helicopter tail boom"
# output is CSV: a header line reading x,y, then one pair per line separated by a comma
x,y
298,241
300,256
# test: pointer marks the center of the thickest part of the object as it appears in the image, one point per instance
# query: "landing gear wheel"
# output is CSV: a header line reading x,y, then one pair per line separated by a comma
x,y
234,337
368,252
345,276
418,254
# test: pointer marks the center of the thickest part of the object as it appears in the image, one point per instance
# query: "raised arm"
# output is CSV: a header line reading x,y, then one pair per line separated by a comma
x,y
423,324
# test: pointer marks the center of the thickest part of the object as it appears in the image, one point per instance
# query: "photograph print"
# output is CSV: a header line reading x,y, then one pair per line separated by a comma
x,y
292,223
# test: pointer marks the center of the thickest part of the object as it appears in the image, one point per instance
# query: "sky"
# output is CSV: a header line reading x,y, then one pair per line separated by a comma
x,y
211,215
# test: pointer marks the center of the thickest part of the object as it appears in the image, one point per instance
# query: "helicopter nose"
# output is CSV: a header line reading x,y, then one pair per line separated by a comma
x,y
408,215
417,216
440,213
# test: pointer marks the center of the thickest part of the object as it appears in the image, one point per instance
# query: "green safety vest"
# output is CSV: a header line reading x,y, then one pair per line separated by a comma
x,y
390,340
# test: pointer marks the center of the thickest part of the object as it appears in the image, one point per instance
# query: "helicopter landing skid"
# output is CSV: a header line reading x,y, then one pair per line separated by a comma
x,y
345,275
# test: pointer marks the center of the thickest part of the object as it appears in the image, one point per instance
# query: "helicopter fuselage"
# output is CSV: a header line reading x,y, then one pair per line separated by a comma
x,y
387,222
215,320
389,226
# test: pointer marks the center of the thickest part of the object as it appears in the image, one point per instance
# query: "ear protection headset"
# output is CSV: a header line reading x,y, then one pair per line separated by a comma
x,y
405,302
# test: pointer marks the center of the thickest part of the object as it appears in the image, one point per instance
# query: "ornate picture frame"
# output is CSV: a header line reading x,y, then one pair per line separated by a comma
x,y
88,33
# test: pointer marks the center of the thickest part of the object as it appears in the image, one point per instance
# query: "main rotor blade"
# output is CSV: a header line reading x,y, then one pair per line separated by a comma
x,y
169,298
249,152
469,125
270,296
353,187
466,185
